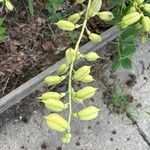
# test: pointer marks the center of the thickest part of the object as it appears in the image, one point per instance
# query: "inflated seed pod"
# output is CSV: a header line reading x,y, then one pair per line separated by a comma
x,y
55,105
66,138
70,56
53,80
145,21
106,15
9,5
65,25
75,18
94,8
87,79
79,1
130,19
62,69
49,95
139,1
88,113
146,7
86,92
131,10
95,37
81,73
91,56
56,122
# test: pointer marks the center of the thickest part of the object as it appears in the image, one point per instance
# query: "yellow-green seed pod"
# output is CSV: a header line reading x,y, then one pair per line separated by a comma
x,y
86,92
94,8
70,56
146,7
146,23
79,1
88,113
9,5
81,73
57,122
55,105
106,15
78,101
87,79
91,56
95,37
65,25
53,80
74,18
131,10
62,69
139,1
66,138
130,19
50,95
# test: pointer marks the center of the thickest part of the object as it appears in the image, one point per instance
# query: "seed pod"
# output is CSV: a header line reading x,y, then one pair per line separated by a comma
x,y
94,8
62,69
87,79
86,92
57,122
53,80
66,138
106,15
146,7
139,1
50,95
65,25
88,113
131,10
146,23
70,56
8,5
130,19
91,56
95,37
81,73
74,18
55,105
79,1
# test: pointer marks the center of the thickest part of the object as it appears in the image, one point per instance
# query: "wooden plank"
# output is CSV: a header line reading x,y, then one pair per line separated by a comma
x,y
30,86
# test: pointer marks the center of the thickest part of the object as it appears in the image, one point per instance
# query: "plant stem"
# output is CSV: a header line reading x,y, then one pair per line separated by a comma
x,y
71,66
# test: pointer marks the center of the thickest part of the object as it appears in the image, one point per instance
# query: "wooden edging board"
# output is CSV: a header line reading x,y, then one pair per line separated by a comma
x,y
30,86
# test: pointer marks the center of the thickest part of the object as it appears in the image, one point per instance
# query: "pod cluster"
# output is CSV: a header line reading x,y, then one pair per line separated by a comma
x,y
56,101
137,14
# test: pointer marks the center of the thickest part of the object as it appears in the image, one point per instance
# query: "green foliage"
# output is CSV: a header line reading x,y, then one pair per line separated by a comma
x,y
119,101
126,47
30,5
52,7
2,30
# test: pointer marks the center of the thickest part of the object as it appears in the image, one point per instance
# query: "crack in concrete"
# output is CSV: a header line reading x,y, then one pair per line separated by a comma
x,y
140,131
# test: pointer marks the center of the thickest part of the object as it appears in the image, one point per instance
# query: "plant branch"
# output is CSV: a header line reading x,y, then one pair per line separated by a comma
x,y
71,66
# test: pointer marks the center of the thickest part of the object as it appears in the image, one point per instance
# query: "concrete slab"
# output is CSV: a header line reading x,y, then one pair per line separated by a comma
x,y
107,132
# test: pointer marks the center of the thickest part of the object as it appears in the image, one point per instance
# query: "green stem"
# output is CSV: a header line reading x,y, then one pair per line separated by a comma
x,y
71,66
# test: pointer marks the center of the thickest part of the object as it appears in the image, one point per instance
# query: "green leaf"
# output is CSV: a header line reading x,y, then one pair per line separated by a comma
x,y
115,65
128,50
2,30
30,4
126,63
2,38
2,19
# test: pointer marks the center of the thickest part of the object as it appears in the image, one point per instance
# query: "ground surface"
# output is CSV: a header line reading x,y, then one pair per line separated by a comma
x,y
32,42
24,127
